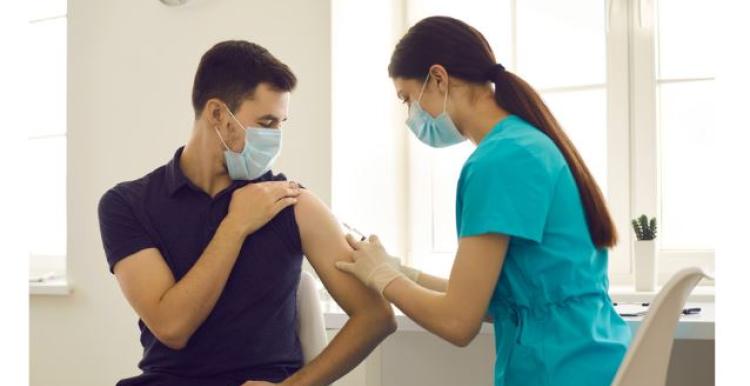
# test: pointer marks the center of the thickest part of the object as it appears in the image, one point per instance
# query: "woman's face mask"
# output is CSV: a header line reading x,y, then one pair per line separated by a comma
x,y
435,132
262,147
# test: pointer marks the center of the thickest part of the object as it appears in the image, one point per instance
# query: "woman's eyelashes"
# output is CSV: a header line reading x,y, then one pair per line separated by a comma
x,y
268,124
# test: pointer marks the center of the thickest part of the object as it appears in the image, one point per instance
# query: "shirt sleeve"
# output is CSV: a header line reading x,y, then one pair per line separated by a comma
x,y
508,191
122,233
287,218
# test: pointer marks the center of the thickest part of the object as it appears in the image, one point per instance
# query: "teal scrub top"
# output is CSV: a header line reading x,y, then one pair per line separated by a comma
x,y
554,321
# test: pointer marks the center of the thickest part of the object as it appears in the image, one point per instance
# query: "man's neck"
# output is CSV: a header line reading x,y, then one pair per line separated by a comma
x,y
202,162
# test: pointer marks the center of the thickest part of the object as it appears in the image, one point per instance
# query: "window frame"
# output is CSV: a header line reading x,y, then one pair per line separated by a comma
x,y
633,170
43,265
645,134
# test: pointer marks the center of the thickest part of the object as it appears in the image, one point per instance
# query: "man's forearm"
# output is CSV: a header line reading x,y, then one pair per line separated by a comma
x,y
188,303
359,336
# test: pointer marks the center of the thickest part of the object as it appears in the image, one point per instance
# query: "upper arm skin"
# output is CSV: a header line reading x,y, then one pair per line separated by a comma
x,y
323,243
144,278
474,275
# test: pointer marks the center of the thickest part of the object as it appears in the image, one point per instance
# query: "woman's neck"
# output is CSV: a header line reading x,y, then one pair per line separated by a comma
x,y
481,116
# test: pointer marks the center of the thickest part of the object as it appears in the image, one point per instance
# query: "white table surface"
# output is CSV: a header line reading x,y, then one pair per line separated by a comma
x,y
698,327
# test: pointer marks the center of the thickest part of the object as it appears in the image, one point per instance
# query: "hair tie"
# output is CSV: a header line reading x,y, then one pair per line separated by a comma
x,y
494,71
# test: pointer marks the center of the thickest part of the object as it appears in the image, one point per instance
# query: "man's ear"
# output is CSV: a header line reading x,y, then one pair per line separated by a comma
x,y
214,113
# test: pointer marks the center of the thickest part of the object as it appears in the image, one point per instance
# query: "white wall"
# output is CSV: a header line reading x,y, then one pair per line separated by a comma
x,y
131,67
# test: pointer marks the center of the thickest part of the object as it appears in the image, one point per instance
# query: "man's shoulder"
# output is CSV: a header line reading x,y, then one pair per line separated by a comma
x,y
310,213
271,175
137,190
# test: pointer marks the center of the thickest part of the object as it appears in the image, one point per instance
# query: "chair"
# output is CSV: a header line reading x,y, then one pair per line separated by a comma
x,y
310,325
647,359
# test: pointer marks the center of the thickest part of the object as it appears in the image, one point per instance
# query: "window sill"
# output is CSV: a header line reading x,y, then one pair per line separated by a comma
x,y
628,294
53,287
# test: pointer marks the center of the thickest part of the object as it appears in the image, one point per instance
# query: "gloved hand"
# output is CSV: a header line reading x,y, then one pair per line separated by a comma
x,y
411,273
371,263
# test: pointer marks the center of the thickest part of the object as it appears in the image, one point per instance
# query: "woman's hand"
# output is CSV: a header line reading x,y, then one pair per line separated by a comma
x,y
371,263
258,383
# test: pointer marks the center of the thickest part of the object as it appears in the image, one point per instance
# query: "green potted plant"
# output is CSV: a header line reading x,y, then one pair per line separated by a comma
x,y
645,253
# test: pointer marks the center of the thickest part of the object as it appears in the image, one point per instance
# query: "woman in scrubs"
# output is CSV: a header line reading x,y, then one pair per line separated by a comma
x,y
533,226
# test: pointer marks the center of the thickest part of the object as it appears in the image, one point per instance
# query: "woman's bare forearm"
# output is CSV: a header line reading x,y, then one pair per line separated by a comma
x,y
433,282
441,285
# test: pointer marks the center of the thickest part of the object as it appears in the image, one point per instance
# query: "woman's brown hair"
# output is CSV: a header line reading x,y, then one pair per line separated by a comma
x,y
466,55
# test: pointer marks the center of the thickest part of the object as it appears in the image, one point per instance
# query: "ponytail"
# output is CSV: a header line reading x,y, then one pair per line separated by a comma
x,y
517,97
467,55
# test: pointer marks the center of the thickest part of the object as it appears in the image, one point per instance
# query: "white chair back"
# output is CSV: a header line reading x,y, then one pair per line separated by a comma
x,y
310,324
647,359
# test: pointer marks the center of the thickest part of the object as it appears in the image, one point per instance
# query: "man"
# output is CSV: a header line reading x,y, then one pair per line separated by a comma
x,y
208,248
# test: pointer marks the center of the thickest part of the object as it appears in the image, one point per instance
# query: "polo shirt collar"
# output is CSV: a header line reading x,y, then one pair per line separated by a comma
x,y
176,179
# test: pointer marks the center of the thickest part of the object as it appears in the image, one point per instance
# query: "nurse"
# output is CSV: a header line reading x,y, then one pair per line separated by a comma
x,y
533,225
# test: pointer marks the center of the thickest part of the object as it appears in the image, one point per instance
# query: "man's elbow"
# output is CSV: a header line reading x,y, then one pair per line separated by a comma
x,y
389,323
381,319
386,319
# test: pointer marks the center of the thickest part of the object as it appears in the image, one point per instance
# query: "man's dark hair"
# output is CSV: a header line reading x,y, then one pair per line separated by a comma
x,y
231,70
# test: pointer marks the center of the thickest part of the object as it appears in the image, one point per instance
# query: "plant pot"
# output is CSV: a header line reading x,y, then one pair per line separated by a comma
x,y
645,265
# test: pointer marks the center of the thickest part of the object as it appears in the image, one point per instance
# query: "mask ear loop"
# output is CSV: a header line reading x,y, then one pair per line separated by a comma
x,y
445,100
424,85
221,139
235,118
217,129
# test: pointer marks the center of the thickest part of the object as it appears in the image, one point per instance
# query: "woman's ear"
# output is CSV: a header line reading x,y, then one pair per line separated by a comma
x,y
440,74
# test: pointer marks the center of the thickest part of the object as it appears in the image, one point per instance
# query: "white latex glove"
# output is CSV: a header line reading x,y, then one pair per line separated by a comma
x,y
371,263
411,273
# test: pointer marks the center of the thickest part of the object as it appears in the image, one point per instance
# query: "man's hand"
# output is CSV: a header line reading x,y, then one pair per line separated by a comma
x,y
254,205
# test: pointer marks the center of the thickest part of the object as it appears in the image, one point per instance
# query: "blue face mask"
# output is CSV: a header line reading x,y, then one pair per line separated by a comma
x,y
262,146
435,132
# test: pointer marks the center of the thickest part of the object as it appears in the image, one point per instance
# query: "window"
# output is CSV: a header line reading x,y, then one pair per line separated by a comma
x,y
685,114
672,113
623,79
46,141
575,89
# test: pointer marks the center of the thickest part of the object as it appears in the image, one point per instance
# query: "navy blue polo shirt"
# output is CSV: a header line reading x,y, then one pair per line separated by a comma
x,y
251,331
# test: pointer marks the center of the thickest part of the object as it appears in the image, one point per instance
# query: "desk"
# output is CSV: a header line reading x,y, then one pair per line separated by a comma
x,y
694,327
412,356
699,327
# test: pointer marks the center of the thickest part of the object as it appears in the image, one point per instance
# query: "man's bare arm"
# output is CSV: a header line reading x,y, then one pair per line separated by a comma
x,y
370,316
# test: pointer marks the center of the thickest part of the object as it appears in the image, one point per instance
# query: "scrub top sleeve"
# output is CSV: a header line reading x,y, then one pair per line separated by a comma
x,y
506,191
